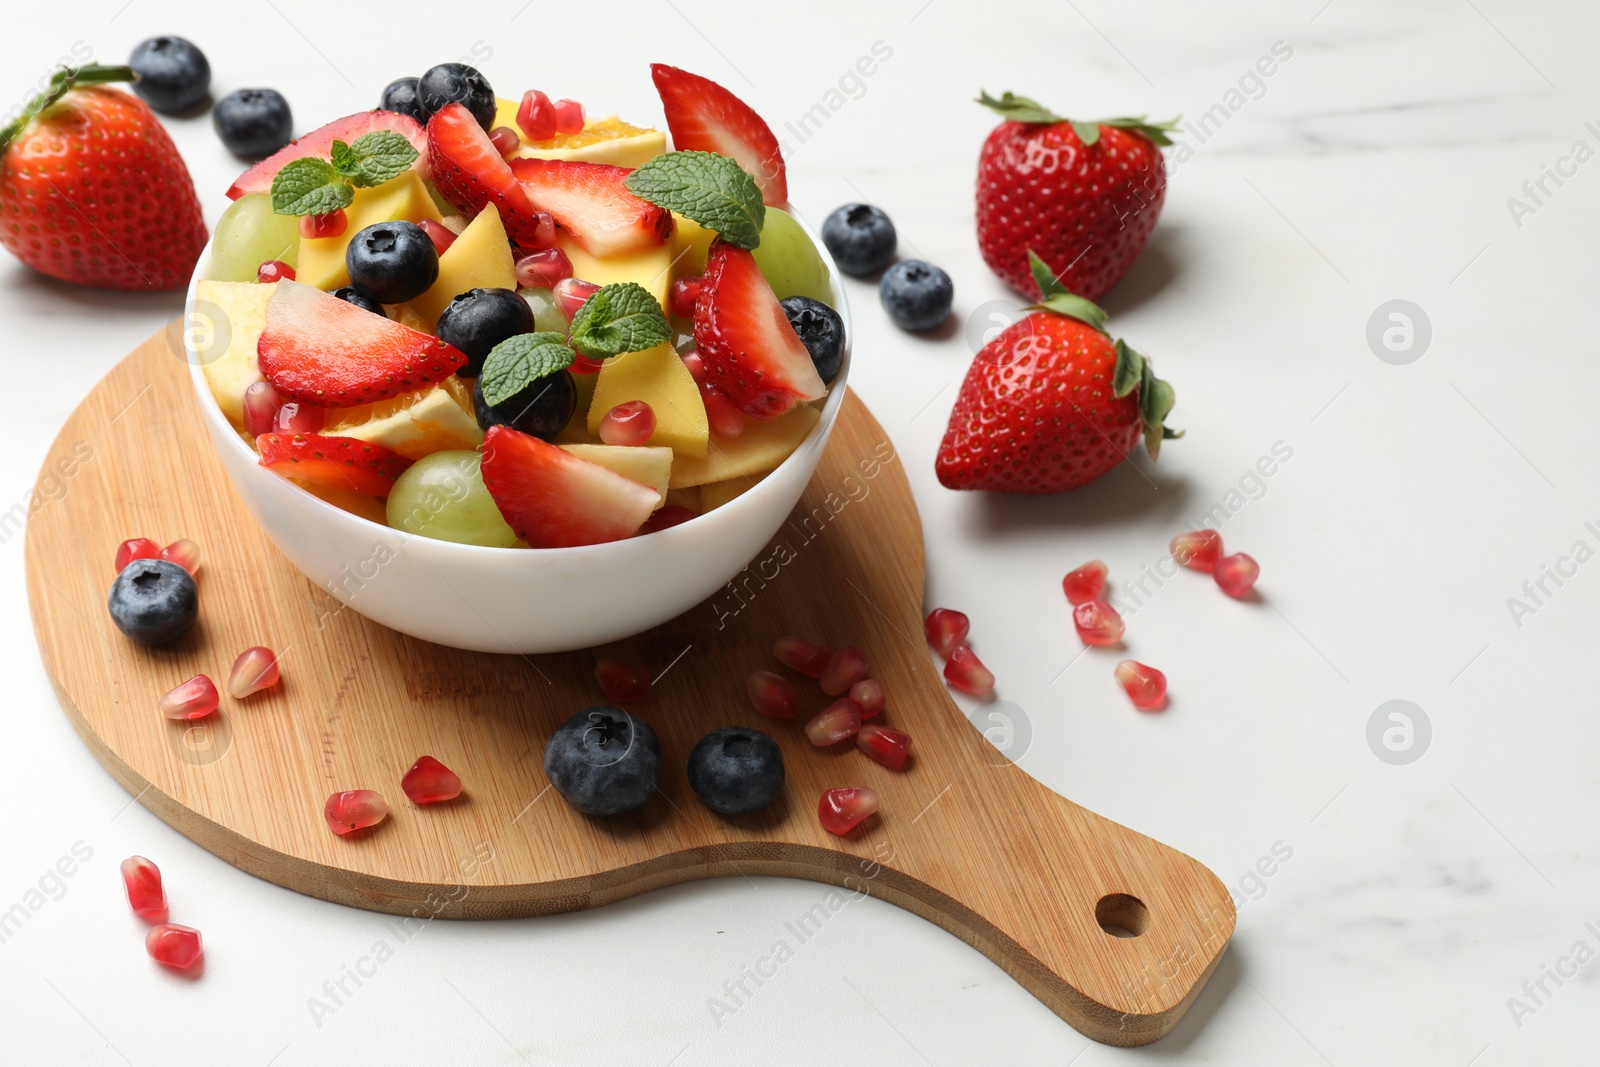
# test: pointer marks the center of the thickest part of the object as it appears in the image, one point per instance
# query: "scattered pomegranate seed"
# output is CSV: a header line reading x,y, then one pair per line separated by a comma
x,y
441,235
295,417
194,699
966,672
696,365
542,269
1086,583
142,880
571,294
1145,686
536,116
333,224
582,364
261,404
1236,574
837,722
621,683
867,695
842,810
255,669
174,945
845,668
184,552
725,418
888,747
354,809
802,654
429,781
505,140
666,517
1098,623
569,117
946,630
683,295
1197,549
136,548
274,270
544,229
629,423
772,695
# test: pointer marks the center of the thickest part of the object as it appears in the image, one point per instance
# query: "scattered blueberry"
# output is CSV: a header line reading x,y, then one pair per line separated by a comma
x,y
153,601
253,123
457,83
541,410
351,295
604,761
916,295
479,319
860,237
392,262
173,74
401,95
821,330
736,770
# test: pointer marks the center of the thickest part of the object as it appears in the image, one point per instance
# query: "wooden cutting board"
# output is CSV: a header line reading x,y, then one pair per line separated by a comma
x,y
965,839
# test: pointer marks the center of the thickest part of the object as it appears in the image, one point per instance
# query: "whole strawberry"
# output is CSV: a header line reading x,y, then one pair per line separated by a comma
x,y
1052,403
1084,195
92,190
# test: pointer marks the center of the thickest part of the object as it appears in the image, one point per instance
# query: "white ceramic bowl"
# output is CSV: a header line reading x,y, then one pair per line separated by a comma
x,y
510,599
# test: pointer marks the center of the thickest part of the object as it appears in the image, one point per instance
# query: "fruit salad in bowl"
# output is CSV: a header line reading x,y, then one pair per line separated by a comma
x,y
504,377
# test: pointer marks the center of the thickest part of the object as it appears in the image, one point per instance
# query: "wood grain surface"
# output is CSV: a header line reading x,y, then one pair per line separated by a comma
x,y
965,839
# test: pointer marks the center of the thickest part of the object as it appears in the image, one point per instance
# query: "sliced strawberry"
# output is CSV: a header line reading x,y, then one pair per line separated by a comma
x,y
589,201
318,349
258,179
469,172
554,499
704,116
332,462
746,344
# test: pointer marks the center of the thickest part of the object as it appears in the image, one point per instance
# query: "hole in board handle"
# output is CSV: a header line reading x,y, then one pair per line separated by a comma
x,y
1121,915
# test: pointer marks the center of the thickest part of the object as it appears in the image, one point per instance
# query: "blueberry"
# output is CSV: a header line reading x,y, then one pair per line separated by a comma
x,y
173,74
253,123
392,262
541,410
860,238
736,770
916,295
821,330
153,601
478,319
604,761
401,95
351,295
457,83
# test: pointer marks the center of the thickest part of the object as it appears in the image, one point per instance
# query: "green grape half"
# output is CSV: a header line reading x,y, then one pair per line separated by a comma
x,y
789,260
249,234
443,496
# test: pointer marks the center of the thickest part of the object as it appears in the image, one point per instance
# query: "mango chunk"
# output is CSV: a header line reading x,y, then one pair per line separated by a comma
x,y
480,258
764,444
645,465
715,494
650,267
658,377
322,258
230,359
414,425
691,243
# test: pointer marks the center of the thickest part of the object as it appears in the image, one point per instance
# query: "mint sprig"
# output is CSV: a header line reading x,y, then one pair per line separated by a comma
x,y
707,187
1023,109
618,318
314,186
517,362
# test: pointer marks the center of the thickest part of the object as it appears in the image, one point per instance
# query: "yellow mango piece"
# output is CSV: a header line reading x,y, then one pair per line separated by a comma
x,y
416,424
505,114
764,444
225,339
658,377
651,267
691,243
479,259
576,431
322,258
715,494
645,465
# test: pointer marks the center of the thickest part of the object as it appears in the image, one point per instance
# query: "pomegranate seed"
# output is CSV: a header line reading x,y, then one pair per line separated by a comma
x,y
571,294
696,365
1236,574
1086,583
333,224
261,404
683,295
136,548
621,683
142,880
667,517
888,747
354,809
966,672
946,630
184,552
274,270
1197,549
845,668
569,117
194,699
1098,623
772,695
441,235
255,669
295,417
582,364
867,695
429,781
842,810
837,722
544,229
536,116
1145,686
543,269
725,418
505,140
629,423
174,945
802,654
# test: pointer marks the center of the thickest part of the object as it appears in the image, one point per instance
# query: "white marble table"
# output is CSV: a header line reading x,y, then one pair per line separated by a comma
x,y
1420,913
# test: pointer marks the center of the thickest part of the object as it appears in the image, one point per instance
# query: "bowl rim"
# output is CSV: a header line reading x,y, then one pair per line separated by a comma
x,y
819,432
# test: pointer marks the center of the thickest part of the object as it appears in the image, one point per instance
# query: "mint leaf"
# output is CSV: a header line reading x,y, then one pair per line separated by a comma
x,y
343,157
619,318
309,186
709,188
518,362
377,157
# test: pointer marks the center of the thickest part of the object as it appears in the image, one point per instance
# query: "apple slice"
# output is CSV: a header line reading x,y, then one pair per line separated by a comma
x,y
589,201
749,349
554,499
704,116
258,179
469,172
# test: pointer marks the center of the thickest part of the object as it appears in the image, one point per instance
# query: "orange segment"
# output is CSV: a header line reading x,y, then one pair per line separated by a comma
x,y
607,140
